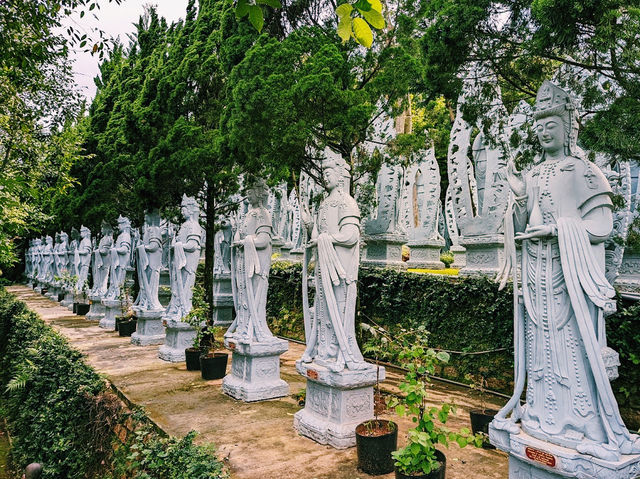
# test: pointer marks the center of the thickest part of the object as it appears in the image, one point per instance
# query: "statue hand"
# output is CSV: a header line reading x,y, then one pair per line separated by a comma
x,y
516,182
540,231
305,216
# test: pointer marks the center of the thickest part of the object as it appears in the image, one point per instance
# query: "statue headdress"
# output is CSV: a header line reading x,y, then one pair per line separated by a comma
x,y
106,228
123,220
336,162
553,100
259,185
84,229
191,203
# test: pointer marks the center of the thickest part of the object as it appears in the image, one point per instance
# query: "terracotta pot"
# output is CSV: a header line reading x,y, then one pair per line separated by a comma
x,y
436,474
375,441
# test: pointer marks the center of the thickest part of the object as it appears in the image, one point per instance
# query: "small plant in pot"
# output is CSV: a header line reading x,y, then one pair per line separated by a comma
x,y
81,301
420,459
480,418
196,318
213,364
126,322
376,438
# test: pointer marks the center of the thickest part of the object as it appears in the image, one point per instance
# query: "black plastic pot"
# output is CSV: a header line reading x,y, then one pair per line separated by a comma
x,y
127,328
192,358
213,365
120,319
61,296
374,446
82,309
480,420
437,474
75,308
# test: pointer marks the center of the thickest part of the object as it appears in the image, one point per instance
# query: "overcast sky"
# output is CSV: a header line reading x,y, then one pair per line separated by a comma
x,y
117,21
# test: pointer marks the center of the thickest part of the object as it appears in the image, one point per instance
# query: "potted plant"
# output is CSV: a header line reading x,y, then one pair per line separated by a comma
x,y
196,318
480,418
81,304
376,438
126,322
213,365
420,459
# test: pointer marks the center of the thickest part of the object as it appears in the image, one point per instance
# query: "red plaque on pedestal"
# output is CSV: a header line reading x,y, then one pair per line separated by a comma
x,y
542,457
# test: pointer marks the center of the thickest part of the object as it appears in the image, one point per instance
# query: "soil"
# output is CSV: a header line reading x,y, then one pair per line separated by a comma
x,y
375,428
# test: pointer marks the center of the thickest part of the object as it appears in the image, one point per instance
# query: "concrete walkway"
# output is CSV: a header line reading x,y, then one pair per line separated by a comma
x,y
256,440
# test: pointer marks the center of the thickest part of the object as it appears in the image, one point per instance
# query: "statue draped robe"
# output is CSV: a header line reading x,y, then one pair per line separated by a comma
x,y
331,341
149,264
250,278
182,268
569,400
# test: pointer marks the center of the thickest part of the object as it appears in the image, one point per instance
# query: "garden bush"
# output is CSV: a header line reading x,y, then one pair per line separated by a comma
x,y
62,414
463,315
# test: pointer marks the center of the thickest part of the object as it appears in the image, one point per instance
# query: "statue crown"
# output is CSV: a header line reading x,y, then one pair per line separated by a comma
x,y
551,100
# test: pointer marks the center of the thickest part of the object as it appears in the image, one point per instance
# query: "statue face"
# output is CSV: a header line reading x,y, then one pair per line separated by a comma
x,y
331,178
550,131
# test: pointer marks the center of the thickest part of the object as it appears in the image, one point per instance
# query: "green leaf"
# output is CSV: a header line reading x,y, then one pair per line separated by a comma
x,y
242,10
377,6
400,410
344,28
374,18
270,3
256,17
442,356
415,448
344,10
363,5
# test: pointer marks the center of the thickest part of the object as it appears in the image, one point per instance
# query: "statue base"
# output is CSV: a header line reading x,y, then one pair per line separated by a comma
x,y
425,254
222,300
68,300
484,255
459,257
296,255
96,309
629,279
255,370
52,293
111,309
178,337
531,458
164,288
285,253
384,251
336,403
149,329
38,289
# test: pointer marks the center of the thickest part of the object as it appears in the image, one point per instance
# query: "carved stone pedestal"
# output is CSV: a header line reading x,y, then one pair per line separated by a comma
x,y
285,253
164,290
335,403
149,329
425,254
222,300
178,337
52,293
459,257
255,370
111,310
296,255
531,458
38,288
384,251
484,255
629,279
68,300
96,309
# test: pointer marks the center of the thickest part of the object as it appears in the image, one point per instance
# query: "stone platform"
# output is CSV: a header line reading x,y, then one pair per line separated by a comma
x,y
149,329
178,337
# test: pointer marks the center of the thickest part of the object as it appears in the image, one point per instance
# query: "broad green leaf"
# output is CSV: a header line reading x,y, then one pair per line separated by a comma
x,y
344,28
242,10
442,356
375,19
344,10
363,5
255,17
362,32
270,3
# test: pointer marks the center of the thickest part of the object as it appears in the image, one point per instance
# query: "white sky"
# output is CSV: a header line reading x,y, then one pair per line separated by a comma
x,y
116,21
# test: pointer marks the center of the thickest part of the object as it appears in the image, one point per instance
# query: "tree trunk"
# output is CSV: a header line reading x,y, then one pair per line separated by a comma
x,y
210,231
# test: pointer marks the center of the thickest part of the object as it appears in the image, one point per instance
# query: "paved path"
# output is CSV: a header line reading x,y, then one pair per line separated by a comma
x,y
257,440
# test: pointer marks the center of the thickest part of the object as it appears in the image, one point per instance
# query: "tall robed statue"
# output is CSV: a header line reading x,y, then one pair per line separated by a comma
x,y
335,237
561,212
149,252
250,265
120,258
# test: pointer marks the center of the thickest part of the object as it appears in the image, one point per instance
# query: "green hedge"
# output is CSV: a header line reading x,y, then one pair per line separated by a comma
x,y
461,314
61,413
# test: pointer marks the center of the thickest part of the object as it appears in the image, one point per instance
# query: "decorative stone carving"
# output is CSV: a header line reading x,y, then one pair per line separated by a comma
x,y
562,213
421,210
101,269
479,191
255,371
222,307
147,307
332,361
629,279
120,260
185,255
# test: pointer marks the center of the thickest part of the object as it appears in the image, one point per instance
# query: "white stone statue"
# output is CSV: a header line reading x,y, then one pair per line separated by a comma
x,y
562,213
83,252
335,236
47,254
149,252
185,254
120,259
102,262
255,368
250,263
222,247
